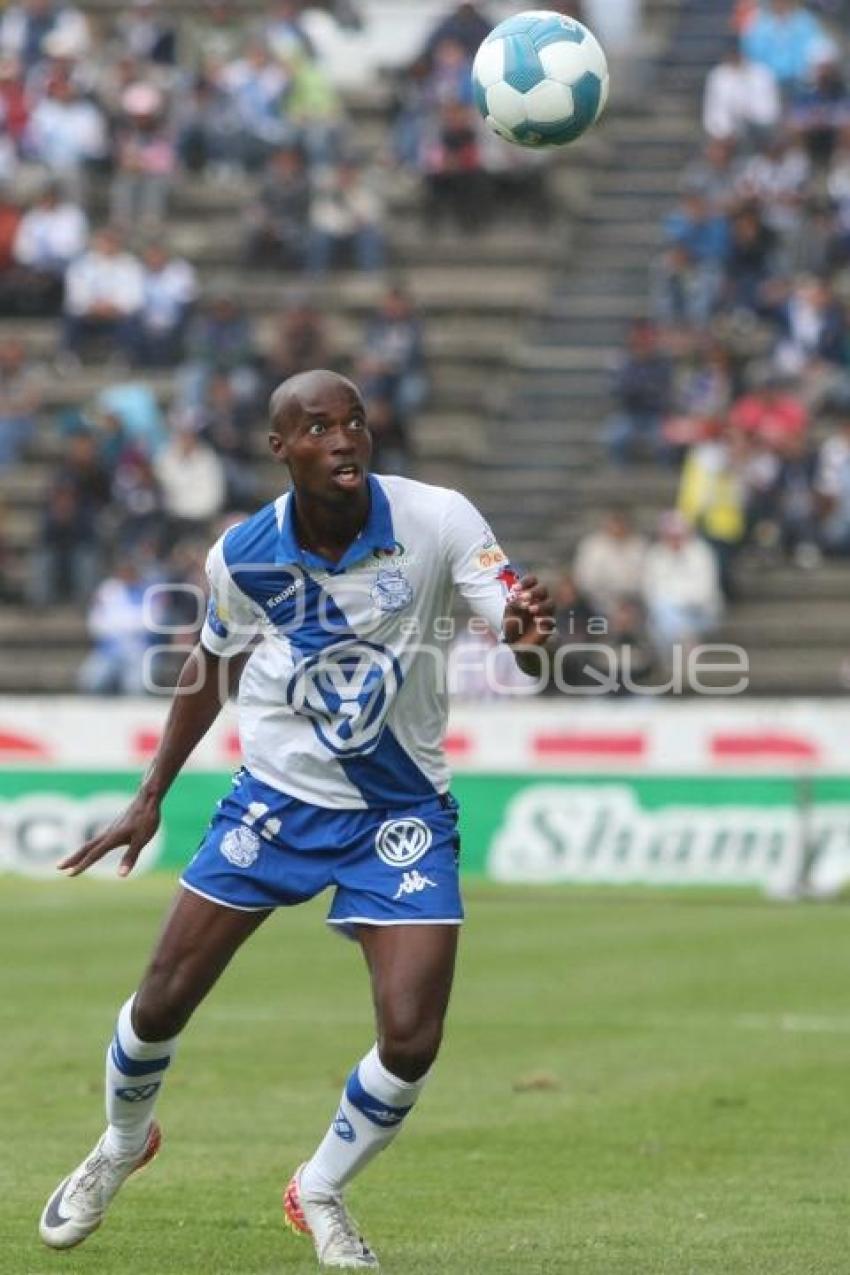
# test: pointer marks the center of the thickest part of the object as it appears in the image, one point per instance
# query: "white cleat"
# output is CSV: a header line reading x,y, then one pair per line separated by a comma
x,y
77,1206
335,1233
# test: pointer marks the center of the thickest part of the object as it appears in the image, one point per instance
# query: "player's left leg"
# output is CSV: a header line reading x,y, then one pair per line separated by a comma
x,y
411,968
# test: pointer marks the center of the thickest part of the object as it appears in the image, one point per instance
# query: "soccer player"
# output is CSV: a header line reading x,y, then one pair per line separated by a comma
x,y
341,715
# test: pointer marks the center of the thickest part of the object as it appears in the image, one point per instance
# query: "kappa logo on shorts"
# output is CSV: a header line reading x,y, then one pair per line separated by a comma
x,y
400,842
414,883
241,847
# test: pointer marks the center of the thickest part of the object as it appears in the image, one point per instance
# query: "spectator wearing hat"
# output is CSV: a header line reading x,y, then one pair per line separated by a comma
x,y
145,159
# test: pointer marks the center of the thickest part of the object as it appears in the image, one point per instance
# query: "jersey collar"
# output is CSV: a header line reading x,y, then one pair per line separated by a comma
x,y
377,534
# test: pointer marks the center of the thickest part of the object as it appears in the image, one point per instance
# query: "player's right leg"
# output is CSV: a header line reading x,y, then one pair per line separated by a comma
x,y
197,943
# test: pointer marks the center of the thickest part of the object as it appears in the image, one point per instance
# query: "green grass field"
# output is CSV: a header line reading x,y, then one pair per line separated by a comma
x,y
635,1083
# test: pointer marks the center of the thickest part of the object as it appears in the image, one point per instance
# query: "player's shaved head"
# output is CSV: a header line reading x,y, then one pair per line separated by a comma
x,y
308,393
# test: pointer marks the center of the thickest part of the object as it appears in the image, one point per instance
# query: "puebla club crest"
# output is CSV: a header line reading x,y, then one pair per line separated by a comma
x,y
241,847
392,591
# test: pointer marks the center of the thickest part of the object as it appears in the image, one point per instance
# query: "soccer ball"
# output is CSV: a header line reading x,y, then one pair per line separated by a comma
x,y
540,79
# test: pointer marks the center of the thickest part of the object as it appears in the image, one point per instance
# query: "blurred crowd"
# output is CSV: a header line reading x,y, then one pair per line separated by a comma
x,y
740,375
126,143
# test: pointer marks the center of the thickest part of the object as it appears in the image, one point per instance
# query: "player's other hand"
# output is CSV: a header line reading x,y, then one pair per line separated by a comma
x,y
529,618
134,829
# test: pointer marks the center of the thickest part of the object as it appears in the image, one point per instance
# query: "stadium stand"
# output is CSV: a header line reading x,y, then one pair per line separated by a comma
x,y
518,324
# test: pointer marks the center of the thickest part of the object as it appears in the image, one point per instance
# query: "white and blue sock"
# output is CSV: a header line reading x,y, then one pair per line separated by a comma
x,y
134,1072
372,1109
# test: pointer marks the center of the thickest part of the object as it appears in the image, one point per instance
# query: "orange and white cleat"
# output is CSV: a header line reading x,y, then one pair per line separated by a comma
x,y
77,1206
333,1230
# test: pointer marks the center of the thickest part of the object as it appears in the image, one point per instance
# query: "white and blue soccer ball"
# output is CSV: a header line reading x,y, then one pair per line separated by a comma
x,y
540,79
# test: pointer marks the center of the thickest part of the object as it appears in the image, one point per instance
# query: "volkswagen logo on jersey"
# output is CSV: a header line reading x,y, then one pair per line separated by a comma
x,y
241,847
346,690
391,591
400,842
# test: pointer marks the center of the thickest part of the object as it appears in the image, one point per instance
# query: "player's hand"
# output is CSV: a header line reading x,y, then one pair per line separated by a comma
x,y
134,829
529,618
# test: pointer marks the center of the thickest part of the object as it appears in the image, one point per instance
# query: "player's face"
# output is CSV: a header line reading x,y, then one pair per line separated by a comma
x,y
326,443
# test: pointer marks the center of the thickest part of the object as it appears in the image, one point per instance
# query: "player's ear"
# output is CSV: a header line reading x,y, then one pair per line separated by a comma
x,y
278,447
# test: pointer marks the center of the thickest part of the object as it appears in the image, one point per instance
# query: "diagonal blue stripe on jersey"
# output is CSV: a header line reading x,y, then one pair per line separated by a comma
x,y
387,776
380,1113
136,1067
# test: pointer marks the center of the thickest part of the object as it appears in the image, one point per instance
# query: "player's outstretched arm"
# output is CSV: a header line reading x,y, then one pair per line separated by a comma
x,y
196,705
529,622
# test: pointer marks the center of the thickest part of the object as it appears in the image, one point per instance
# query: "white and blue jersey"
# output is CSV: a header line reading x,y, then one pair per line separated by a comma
x,y
343,704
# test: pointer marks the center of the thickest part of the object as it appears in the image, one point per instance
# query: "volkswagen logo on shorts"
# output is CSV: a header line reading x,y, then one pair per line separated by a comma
x,y
346,690
240,846
400,842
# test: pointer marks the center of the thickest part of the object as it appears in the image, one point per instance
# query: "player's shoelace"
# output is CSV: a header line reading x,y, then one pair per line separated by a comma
x,y
343,1232
88,1188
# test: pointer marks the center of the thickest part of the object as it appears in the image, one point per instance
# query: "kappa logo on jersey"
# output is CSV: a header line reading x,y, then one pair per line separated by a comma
x,y
285,594
138,1093
346,690
392,591
414,883
241,847
400,842
343,1128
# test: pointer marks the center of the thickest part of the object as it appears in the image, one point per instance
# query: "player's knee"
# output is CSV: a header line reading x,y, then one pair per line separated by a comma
x,y
162,1006
408,1049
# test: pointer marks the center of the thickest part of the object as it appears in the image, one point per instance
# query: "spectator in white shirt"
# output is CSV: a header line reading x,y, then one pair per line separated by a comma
x,y
26,29
609,563
742,99
117,624
170,290
104,294
67,133
192,480
51,235
681,586
346,216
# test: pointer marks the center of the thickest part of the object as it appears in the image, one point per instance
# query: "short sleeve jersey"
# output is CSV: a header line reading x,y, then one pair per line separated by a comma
x,y
343,703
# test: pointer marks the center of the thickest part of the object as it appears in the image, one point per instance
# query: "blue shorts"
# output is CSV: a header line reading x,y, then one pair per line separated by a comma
x,y
264,849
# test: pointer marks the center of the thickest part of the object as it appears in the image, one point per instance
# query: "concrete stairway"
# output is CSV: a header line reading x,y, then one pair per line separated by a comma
x,y
547,476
